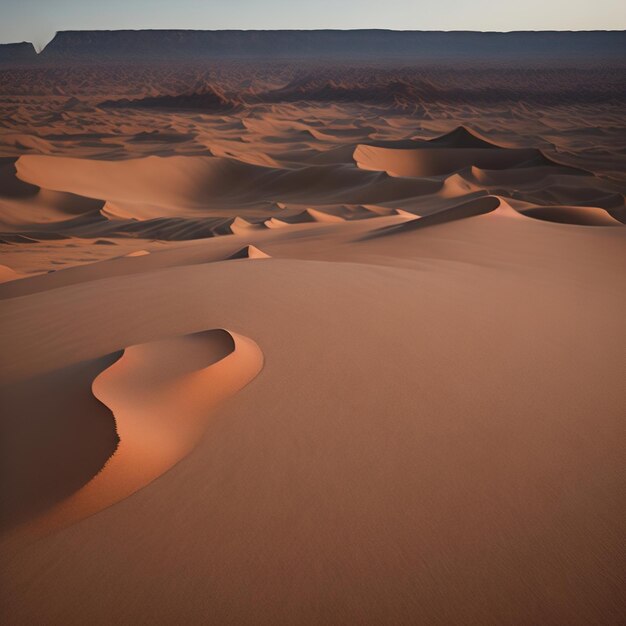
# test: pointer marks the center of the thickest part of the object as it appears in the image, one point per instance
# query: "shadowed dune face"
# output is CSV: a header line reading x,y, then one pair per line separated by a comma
x,y
182,197
472,208
430,259
141,390
56,436
583,216
308,143
249,252
457,150
438,161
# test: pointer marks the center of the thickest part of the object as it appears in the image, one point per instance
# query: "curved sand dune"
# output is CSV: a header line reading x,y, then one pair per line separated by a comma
x,y
322,216
522,175
161,182
435,436
160,394
435,161
240,226
300,496
471,208
55,436
575,215
10,185
7,274
454,151
179,183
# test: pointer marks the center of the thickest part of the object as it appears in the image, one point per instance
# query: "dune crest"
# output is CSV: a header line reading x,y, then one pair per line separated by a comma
x,y
471,208
202,98
435,436
161,394
574,215
249,252
445,154
7,274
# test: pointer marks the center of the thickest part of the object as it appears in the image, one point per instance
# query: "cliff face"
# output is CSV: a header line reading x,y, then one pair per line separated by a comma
x,y
354,44
17,52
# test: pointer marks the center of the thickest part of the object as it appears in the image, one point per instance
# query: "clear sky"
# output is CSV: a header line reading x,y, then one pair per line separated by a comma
x,y
38,20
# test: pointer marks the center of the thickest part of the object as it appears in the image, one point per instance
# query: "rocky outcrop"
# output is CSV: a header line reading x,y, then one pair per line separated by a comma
x,y
17,52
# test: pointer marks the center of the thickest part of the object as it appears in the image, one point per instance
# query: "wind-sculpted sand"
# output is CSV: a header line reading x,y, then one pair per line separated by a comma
x,y
160,395
416,413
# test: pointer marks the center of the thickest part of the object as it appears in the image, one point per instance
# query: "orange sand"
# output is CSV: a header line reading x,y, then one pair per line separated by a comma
x,y
415,416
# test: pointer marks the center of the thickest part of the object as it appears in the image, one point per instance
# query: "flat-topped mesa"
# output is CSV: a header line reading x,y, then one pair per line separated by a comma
x,y
23,52
148,45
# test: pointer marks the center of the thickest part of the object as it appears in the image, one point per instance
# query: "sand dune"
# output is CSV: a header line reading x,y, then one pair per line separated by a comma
x,y
6,274
432,432
478,206
142,389
453,151
241,226
180,186
205,98
55,438
249,252
582,216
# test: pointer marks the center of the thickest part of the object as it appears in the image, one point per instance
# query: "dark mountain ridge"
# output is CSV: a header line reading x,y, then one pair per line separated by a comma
x,y
17,52
146,45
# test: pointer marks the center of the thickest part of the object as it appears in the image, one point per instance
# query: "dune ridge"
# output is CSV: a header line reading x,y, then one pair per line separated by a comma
x,y
249,252
203,98
430,256
142,389
177,198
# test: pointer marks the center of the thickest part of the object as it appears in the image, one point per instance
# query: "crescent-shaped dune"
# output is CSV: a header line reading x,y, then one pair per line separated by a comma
x,y
578,216
457,150
435,161
160,394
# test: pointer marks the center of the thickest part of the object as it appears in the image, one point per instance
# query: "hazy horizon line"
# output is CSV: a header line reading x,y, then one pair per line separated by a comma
x,y
395,30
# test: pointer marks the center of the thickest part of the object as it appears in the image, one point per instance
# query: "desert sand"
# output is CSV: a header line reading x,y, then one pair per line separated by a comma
x,y
346,349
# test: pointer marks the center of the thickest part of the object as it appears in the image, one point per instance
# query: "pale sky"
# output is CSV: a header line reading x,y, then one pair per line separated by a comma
x,y
38,20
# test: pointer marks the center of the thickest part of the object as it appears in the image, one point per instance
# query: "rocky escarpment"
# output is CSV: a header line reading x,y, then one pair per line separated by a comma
x,y
540,47
17,52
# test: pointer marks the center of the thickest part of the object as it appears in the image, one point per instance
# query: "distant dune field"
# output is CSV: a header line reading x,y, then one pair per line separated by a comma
x,y
311,342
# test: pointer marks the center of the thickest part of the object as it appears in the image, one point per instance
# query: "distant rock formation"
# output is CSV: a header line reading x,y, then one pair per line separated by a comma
x,y
17,52
542,46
